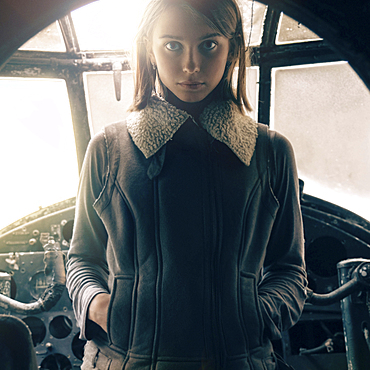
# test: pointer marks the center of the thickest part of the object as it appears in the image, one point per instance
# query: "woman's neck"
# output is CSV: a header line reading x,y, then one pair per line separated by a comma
x,y
194,109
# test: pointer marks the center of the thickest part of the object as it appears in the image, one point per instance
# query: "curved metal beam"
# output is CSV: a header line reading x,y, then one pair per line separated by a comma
x,y
344,24
22,19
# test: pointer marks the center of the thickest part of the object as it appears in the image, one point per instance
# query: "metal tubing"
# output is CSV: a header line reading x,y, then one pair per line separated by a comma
x,y
355,315
48,300
327,299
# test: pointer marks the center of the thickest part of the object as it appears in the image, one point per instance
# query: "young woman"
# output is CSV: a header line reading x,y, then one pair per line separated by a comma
x,y
187,250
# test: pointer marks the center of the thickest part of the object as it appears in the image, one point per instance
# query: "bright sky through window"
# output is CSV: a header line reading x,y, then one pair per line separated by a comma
x,y
112,24
37,148
108,24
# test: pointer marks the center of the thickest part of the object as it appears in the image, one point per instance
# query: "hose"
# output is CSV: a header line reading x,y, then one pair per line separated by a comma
x,y
55,271
47,301
329,298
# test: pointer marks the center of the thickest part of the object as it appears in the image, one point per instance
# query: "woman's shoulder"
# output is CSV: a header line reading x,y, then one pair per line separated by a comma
x,y
279,142
115,129
101,145
277,147
107,134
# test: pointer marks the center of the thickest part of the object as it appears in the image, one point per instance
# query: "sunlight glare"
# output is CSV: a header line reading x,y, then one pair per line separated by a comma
x,y
108,24
37,149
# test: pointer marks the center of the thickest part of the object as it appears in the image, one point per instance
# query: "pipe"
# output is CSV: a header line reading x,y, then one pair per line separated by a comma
x,y
334,296
55,271
47,301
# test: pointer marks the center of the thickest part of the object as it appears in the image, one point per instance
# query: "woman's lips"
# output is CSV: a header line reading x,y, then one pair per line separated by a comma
x,y
191,85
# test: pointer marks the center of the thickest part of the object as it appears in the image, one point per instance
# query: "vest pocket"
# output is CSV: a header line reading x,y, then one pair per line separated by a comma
x,y
251,313
120,311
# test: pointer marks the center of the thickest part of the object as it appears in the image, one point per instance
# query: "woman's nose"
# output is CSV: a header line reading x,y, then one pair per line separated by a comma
x,y
192,62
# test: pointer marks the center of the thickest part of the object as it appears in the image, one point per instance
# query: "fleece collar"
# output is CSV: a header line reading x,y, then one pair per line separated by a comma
x,y
155,125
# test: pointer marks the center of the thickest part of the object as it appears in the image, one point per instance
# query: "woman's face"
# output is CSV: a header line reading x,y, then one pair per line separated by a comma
x,y
190,56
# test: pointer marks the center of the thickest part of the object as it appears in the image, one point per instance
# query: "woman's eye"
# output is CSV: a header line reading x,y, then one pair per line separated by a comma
x,y
173,46
208,45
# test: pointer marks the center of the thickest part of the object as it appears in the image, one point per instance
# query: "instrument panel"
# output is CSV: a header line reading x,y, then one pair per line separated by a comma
x,y
330,237
55,334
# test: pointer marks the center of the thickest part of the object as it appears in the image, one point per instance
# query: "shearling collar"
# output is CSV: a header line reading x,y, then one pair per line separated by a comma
x,y
155,125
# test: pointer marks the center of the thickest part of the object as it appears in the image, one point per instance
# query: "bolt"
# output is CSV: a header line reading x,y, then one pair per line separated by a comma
x,y
363,273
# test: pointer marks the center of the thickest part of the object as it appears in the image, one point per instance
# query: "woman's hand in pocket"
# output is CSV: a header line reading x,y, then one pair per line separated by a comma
x,y
98,310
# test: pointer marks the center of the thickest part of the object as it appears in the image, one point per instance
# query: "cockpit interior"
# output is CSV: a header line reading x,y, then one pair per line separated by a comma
x,y
66,71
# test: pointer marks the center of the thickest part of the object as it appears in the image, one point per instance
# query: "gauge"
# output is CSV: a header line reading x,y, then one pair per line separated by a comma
x,y
38,283
9,290
5,284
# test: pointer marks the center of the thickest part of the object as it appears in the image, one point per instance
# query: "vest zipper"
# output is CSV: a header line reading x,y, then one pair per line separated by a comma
x,y
215,227
159,275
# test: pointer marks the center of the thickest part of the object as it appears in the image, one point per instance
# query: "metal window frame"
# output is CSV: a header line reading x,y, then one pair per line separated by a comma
x,y
71,65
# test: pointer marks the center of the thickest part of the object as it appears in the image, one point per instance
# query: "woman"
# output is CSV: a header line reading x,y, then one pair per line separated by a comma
x,y
187,250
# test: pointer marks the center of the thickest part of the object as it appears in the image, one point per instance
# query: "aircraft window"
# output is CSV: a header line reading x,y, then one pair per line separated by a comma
x,y
107,25
253,16
103,107
290,31
49,39
324,109
37,141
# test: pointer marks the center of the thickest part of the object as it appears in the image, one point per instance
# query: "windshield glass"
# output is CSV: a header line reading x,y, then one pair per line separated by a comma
x,y
38,155
108,25
324,109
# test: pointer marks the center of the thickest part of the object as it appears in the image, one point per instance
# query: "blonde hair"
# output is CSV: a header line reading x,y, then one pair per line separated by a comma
x,y
221,15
